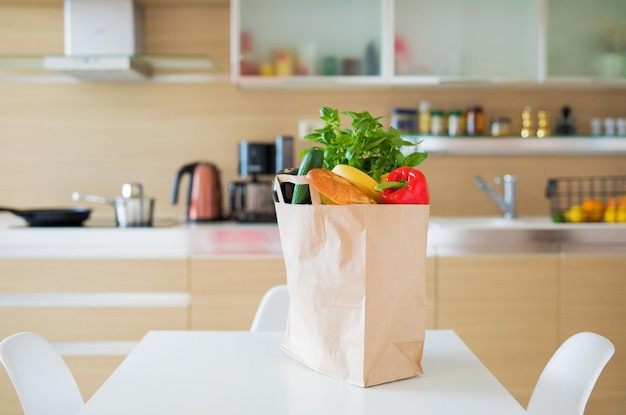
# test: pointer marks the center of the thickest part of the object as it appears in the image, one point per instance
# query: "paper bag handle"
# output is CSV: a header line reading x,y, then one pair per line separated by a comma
x,y
290,178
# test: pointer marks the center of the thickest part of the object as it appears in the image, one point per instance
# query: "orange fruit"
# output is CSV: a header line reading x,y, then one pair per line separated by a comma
x,y
594,210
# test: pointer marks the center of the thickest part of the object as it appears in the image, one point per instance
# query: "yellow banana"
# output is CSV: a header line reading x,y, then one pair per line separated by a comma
x,y
360,179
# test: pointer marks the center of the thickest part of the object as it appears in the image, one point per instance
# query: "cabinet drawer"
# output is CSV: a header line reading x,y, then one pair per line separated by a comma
x,y
226,293
91,324
93,275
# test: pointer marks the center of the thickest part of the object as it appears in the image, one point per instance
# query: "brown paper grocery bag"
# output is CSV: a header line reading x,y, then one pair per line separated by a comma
x,y
356,281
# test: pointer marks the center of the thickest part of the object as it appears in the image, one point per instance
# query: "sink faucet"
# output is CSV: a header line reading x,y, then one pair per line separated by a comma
x,y
506,202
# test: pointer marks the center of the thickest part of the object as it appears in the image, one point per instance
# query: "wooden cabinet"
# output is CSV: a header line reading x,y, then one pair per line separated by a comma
x,y
471,39
90,303
593,283
427,42
586,39
505,308
310,41
225,293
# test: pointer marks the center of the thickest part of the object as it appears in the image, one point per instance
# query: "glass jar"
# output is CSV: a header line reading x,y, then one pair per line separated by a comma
x,y
404,120
500,126
543,124
437,122
527,123
456,123
475,120
424,118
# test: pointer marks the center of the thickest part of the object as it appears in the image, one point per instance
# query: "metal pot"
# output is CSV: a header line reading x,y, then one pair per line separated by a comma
x,y
132,209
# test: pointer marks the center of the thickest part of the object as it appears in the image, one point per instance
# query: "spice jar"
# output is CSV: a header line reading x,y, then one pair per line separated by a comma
x,y
500,126
455,123
475,120
437,122
404,120
424,118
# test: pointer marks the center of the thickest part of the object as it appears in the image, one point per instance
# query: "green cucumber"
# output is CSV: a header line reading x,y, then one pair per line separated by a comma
x,y
314,158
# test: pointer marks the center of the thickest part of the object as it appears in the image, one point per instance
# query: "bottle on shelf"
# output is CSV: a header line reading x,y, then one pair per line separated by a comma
x,y
543,124
456,123
423,122
566,123
528,129
475,123
438,122
404,120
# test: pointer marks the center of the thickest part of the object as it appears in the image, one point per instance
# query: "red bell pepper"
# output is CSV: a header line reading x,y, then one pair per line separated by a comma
x,y
405,185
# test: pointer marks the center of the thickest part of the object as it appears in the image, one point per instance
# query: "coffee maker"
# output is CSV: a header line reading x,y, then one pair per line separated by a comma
x,y
251,200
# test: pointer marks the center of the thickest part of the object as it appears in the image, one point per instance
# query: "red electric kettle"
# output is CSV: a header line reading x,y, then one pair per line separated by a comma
x,y
204,197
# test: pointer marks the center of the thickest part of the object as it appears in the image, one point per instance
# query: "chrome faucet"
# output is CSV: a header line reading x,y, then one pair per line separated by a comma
x,y
506,202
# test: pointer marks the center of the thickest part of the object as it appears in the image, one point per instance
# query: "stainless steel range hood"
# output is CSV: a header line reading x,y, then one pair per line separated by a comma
x,y
102,41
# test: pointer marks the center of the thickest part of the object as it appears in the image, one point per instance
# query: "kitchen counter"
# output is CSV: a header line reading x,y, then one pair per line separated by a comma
x,y
171,238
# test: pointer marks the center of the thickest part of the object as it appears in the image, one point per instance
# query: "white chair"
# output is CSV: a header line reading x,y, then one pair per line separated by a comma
x,y
272,312
566,382
42,380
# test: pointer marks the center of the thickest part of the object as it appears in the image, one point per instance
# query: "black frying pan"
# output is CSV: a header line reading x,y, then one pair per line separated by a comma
x,y
52,217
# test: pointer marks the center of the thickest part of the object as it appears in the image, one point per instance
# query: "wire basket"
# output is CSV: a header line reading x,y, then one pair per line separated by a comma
x,y
567,192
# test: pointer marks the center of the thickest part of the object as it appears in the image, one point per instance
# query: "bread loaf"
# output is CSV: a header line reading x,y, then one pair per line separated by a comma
x,y
336,189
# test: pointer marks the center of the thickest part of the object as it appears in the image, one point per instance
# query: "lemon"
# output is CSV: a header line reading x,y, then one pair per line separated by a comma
x,y
575,214
621,214
610,214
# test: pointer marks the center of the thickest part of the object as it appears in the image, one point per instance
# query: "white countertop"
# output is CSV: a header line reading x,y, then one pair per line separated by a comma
x,y
172,238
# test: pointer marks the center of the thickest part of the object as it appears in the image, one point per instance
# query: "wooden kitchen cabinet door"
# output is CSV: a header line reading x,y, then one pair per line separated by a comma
x,y
505,309
225,293
592,299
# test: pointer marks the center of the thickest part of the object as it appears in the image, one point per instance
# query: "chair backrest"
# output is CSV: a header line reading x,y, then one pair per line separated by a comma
x,y
272,312
566,382
42,380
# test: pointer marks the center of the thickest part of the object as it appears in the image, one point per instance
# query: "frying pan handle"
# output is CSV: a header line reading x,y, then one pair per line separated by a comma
x,y
91,198
13,211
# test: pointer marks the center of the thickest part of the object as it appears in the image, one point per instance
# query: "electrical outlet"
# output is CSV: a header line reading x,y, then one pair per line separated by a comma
x,y
308,126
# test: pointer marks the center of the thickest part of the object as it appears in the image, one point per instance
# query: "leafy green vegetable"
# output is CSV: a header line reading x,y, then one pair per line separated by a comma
x,y
367,146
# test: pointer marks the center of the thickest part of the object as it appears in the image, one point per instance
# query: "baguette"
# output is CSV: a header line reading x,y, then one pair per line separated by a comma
x,y
336,189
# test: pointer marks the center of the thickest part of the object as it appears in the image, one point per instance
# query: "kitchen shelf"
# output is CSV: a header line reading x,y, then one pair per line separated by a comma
x,y
515,146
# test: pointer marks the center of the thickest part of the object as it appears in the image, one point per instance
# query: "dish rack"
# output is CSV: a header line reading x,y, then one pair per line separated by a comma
x,y
565,192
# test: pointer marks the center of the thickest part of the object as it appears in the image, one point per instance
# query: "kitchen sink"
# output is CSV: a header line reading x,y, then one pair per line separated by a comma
x,y
522,230
481,222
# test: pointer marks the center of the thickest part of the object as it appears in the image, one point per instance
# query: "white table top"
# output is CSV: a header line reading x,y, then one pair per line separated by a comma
x,y
221,372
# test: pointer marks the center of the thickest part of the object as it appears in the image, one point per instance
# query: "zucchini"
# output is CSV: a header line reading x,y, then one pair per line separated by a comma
x,y
314,158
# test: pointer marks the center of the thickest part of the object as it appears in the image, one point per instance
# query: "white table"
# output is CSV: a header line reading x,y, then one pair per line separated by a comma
x,y
221,373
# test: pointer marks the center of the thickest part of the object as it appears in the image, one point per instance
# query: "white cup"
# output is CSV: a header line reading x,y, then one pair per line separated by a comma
x,y
596,126
609,126
621,127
